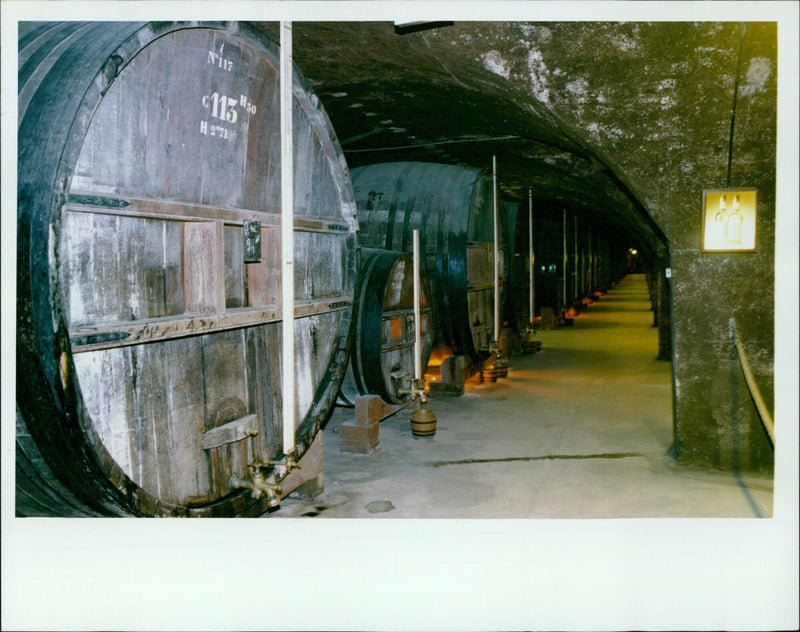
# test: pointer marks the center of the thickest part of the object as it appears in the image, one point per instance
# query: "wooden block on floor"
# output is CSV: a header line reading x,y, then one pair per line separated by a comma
x,y
371,409
361,439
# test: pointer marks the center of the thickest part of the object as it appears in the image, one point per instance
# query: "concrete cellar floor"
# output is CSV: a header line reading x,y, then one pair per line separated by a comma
x,y
581,429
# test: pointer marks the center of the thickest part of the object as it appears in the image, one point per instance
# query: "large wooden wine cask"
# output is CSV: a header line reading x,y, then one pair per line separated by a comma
x,y
149,268
452,206
382,359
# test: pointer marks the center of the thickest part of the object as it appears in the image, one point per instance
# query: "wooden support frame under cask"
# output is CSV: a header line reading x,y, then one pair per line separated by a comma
x,y
729,220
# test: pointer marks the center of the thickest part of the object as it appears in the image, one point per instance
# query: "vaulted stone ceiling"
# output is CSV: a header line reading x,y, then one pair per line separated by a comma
x,y
595,118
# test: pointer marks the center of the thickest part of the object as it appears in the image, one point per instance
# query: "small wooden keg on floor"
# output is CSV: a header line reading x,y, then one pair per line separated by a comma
x,y
423,421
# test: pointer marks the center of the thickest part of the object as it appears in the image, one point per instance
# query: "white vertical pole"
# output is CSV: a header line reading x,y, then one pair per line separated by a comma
x,y
575,265
564,265
530,253
592,271
417,324
496,255
287,237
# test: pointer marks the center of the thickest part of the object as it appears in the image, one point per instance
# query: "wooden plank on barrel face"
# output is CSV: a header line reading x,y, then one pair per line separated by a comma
x,y
263,278
399,287
319,265
146,406
152,274
186,420
77,255
182,460
316,193
225,379
196,90
313,347
481,219
226,67
120,268
324,202
258,389
266,342
105,377
479,264
124,122
234,268
152,419
147,415
307,342
262,169
304,149
131,258
173,268
481,316
397,361
201,267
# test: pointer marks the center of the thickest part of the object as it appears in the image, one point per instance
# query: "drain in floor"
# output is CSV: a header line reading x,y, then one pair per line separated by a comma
x,y
379,506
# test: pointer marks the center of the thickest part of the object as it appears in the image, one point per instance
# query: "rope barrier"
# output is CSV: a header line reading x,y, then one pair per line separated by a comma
x,y
763,411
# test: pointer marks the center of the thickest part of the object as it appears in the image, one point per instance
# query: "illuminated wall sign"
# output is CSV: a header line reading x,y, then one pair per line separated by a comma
x,y
729,220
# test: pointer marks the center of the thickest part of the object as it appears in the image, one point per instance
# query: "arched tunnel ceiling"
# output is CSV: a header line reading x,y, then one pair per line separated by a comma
x,y
420,97
468,91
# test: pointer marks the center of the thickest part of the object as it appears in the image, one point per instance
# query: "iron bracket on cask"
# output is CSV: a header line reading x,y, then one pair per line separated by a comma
x,y
251,234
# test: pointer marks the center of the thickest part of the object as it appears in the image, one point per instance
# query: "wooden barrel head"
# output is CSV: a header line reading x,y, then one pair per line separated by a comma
x,y
452,206
150,279
382,361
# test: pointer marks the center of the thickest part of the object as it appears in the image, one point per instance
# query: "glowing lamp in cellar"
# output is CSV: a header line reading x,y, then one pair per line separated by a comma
x,y
729,220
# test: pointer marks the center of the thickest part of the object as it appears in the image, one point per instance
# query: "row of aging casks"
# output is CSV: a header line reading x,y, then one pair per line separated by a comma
x,y
149,316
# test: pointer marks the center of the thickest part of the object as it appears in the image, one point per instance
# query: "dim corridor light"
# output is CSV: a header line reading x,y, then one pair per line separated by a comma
x,y
729,220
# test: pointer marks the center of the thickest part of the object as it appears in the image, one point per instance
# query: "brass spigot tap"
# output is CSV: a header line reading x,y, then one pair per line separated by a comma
x,y
529,345
258,485
288,463
494,348
419,390
497,368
